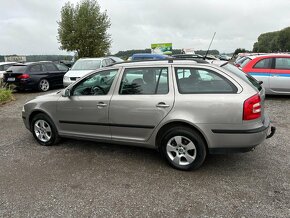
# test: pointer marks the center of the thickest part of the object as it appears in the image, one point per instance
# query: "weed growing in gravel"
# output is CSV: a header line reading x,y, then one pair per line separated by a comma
x,y
5,95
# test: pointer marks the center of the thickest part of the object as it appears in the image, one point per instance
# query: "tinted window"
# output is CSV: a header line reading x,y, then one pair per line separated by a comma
x,y
195,80
17,69
263,64
62,67
50,67
86,64
35,68
246,77
144,81
282,63
95,84
1,67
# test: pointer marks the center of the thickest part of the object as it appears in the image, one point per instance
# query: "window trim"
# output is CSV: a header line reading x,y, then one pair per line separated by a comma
x,y
234,91
157,84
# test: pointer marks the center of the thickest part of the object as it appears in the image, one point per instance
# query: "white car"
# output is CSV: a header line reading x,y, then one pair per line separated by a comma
x,y
83,66
4,66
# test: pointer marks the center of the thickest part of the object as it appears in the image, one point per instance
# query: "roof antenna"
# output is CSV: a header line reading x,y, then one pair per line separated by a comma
x,y
209,46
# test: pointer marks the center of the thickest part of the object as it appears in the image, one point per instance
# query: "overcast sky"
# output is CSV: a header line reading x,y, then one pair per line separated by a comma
x,y
30,26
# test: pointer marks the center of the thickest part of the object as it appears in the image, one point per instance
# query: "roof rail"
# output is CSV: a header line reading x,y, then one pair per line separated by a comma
x,y
170,60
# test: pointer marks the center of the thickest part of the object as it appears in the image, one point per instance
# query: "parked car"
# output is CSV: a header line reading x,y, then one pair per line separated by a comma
x,y
185,109
148,56
3,67
41,75
224,57
84,66
272,69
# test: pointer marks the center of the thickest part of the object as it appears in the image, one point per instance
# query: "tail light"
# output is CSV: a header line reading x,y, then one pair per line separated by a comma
x,y
23,76
252,108
238,65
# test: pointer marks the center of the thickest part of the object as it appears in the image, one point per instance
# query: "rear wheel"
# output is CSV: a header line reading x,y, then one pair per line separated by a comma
x,y
44,130
43,85
183,148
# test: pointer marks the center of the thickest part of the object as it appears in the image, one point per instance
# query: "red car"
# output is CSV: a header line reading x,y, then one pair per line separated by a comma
x,y
272,69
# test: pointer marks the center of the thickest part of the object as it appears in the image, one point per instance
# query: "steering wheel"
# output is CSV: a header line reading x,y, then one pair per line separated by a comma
x,y
97,88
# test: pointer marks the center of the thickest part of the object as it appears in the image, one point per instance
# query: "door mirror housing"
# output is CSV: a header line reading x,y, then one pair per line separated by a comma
x,y
66,93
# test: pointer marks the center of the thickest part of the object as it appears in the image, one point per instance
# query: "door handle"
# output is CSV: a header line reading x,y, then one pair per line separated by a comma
x,y
162,105
101,104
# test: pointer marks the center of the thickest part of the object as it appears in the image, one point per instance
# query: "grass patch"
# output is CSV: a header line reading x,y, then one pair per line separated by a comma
x,y
5,95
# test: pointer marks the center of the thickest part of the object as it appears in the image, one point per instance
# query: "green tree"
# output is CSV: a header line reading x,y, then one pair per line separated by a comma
x,y
83,29
240,50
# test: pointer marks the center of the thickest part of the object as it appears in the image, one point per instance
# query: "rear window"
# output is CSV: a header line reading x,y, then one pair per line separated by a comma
x,y
246,77
17,69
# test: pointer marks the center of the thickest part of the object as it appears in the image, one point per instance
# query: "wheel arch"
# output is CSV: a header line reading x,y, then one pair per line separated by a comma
x,y
34,113
172,124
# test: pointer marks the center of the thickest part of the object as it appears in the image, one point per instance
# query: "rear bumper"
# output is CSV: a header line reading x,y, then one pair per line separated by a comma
x,y
24,84
238,140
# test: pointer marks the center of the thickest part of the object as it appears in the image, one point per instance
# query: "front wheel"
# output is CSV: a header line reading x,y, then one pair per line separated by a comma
x,y
43,85
44,130
183,148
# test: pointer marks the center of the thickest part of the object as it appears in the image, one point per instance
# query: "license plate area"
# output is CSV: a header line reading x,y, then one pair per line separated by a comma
x,y
11,79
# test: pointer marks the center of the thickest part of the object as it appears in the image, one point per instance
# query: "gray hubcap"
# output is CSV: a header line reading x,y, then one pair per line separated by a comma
x,y
181,150
44,85
42,130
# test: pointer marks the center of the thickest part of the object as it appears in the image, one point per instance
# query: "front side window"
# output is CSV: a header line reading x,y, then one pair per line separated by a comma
x,y
263,64
197,80
282,63
50,67
148,81
95,84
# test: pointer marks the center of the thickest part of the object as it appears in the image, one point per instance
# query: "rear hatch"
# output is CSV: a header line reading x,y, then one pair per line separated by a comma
x,y
13,74
257,85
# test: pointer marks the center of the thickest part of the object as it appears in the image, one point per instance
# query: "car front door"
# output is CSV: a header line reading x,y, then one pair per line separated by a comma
x,y
280,75
142,99
85,112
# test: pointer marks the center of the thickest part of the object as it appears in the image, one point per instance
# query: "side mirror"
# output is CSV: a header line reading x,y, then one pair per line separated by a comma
x,y
66,93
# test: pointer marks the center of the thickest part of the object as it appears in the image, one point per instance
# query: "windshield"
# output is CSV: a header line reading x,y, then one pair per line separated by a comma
x,y
246,77
87,65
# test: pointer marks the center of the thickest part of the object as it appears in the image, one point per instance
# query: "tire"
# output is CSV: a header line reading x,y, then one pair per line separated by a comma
x,y
43,85
183,148
44,130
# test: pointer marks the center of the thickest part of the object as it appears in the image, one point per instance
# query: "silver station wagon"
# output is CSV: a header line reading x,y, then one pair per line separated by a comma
x,y
186,109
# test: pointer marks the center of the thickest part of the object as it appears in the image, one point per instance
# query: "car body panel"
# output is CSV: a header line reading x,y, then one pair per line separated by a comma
x,y
135,120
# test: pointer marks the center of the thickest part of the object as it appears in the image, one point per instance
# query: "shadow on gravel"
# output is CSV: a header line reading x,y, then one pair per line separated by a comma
x,y
139,154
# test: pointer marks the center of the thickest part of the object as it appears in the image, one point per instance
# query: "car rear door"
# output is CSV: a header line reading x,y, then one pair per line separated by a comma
x,y
144,96
280,75
85,112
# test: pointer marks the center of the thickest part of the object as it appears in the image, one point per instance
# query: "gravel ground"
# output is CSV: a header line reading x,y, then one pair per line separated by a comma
x,y
86,179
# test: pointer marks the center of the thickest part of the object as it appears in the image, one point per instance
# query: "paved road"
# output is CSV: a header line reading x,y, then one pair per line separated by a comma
x,y
84,179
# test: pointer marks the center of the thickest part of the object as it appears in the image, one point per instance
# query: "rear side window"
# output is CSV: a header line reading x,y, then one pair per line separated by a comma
x,y
35,68
197,80
263,64
282,63
246,77
138,81
50,67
